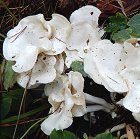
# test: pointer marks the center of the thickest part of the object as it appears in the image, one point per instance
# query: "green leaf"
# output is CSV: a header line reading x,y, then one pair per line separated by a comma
x,y
24,115
56,134
78,66
104,136
122,35
68,135
16,96
5,105
7,132
62,135
134,24
116,23
9,75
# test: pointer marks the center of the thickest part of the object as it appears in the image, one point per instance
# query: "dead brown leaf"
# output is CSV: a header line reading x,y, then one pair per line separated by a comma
x,y
130,132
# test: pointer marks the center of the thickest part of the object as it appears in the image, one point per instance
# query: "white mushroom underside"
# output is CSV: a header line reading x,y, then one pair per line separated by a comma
x,y
42,72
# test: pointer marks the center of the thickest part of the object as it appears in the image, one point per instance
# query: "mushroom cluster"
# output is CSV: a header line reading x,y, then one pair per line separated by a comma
x,y
66,96
42,50
116,66
68,100
34,45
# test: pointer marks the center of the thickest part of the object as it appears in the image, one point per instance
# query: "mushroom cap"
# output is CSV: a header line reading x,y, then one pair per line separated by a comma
x,y
108,59
91,69
56,90
77,45
28,38
26,59
131,74
42,72
83,21
132,50
86,14
67,99
57,120
132,99
34,35
61,28
76,40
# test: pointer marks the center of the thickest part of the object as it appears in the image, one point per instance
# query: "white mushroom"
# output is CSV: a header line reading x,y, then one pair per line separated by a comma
x,y
83,21
107,61
87,13
95,100
67,99
43,72
131,74
94,108
34,35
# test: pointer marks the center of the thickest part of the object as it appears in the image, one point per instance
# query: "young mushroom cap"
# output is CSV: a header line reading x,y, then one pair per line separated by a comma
x,y
67,99
108,59
87,13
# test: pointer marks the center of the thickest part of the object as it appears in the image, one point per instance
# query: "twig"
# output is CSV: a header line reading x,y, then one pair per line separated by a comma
x,y
19,33
20,123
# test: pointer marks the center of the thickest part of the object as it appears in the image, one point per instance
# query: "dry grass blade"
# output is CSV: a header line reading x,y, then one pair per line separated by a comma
x,y
4,5
24,94
122,7
1,35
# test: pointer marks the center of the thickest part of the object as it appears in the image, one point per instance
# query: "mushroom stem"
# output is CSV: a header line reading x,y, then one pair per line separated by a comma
x,y
118,127
92,99
112,96
124,136
96,108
